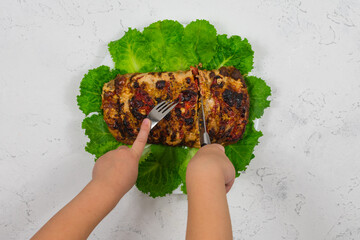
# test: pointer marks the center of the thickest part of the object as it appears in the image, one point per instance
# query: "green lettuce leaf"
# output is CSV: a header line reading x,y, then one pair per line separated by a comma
x,y
199,41
91,85
101,140
131,53
259,92
164,37
232,51
178,59
146,152
158,174
241,152
168,46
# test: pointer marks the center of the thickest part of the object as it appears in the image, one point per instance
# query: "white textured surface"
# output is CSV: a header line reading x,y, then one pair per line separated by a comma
x,y
304,181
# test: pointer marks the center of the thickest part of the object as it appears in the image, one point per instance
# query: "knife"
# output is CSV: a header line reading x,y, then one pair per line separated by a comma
x,y
204,136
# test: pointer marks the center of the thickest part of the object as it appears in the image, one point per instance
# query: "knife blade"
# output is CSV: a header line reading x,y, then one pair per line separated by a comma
x,y
204,136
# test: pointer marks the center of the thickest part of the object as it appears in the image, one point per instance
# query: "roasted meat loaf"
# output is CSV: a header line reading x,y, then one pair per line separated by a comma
x,y
128,99
226,104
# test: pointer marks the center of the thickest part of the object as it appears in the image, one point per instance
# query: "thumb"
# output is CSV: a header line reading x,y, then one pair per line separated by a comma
x,y
141,139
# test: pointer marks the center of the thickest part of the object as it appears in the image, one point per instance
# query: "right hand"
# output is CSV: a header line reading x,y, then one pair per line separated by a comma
x,y
211,162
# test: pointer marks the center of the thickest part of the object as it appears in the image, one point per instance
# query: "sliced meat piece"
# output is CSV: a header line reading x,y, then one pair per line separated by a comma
x,y
129,98
226,104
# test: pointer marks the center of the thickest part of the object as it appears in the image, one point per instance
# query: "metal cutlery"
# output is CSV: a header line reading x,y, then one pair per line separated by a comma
x,y
160,111
204,136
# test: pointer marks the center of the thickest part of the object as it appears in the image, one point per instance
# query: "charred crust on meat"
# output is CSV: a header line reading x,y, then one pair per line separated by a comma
x,y
141,100
178,112
112,125
136,103
143,85
120,128
196,79
215,85
158,100
168,131
212,75
194,70
139,77
173,136
227,133
235,74
222,128
167,117
108,94
188,95
120,105
212,133
132,76
160,84
171,76
137,115
243,110
243,82
162,138
136,84
188,80
128,127
224,71
233,139
232,98
189,121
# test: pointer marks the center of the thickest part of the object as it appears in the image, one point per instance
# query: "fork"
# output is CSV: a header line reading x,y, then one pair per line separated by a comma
x,y
160,111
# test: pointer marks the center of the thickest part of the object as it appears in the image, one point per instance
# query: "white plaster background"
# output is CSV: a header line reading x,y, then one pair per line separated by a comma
x,y
304,181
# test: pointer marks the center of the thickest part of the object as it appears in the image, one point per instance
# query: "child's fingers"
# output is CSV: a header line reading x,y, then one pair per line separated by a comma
x,y
141,138
229,185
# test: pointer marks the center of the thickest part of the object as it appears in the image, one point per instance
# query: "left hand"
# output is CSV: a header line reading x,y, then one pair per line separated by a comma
x,y
114,174
118,169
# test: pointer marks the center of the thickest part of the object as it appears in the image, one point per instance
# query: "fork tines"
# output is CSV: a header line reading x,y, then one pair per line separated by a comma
x,y
165,106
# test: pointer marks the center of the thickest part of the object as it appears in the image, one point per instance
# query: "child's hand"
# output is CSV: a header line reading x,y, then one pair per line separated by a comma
x,y
209,176
211,162
114,174
118,169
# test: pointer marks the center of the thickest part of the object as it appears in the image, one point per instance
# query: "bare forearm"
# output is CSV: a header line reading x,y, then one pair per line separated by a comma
x,y
114,174
208,216
79,217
